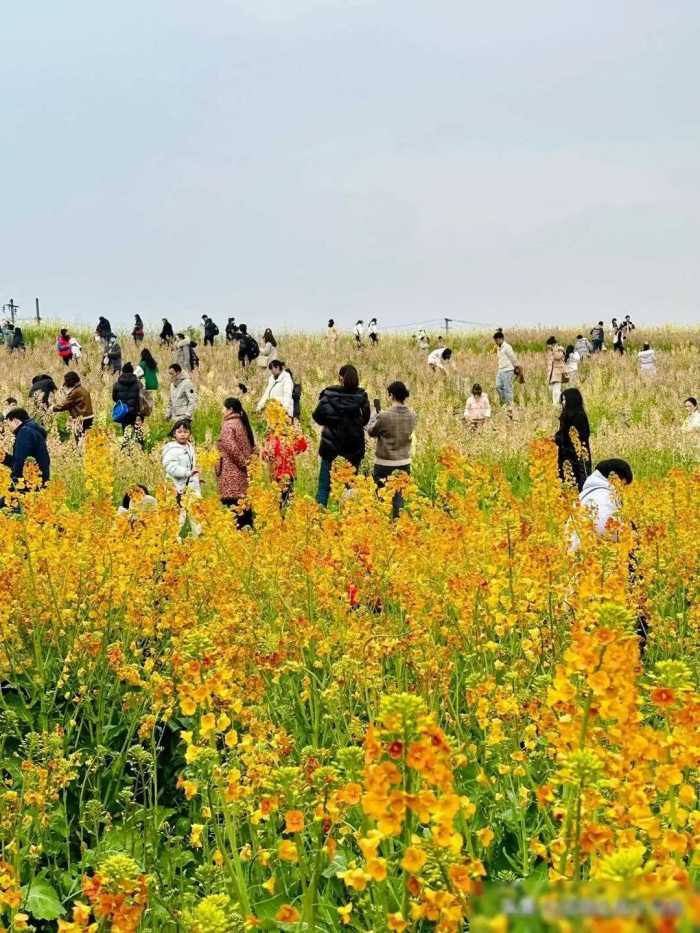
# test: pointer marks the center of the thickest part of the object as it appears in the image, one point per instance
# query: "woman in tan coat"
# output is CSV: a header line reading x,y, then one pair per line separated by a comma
x,y
236,445
556,368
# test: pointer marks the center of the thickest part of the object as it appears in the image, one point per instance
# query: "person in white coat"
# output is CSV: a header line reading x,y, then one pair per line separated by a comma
x,y
280,387
180,460
598,495
440,359
647,361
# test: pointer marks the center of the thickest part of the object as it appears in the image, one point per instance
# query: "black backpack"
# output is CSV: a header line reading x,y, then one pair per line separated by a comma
x,y
250,348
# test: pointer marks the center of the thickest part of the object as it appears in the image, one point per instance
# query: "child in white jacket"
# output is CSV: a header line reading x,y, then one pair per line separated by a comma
x,y
598,495
180,460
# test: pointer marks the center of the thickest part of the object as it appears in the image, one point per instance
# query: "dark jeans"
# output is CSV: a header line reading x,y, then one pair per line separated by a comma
x,y
244,519
209,341
324,482
597,344
381,474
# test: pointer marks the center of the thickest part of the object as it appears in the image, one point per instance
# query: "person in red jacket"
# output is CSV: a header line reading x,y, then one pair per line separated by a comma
x,y
63,347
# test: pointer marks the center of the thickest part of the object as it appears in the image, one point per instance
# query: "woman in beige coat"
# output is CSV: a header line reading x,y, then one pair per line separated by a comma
x,y
556,368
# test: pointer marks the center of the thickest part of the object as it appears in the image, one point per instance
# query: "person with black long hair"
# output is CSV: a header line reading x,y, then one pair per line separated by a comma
x,y
573,439
342,411
236,446
138,331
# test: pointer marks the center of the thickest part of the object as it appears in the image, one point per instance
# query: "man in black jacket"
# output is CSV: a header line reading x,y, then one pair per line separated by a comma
x,y
30,444
343,411
210,330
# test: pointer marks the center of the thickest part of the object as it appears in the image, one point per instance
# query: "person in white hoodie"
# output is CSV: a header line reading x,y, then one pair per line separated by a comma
x,y
280,386
180,460
598,494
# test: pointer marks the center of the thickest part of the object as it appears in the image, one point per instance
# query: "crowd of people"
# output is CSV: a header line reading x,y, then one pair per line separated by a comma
x,y
343,413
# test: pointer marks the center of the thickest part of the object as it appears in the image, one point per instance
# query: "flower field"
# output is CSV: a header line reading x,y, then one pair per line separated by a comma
x,y
341,722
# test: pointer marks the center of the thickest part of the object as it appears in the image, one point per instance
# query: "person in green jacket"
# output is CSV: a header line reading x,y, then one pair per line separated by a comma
x,y
149,368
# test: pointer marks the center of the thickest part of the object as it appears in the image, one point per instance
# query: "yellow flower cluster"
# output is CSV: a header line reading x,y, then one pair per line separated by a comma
x,y
339,720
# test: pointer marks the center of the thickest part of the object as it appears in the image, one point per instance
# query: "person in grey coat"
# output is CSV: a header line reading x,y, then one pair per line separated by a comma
x,y
183,397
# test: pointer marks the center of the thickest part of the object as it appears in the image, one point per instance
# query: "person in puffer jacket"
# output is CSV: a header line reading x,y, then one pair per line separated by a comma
x,y
180,460
127,390
30,444
598,493
342,411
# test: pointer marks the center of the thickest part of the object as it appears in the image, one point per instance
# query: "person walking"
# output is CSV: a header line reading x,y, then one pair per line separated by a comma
x,y
597,337
183,398
78,403
149,370
440,359
236,446
29,444
572,358
211,331
183,353
573,439
103,332
393,430
280,386
647,362
248,349
359,333
582,346
75,349
167,334
113,357
373,331
179,461
506,364
477,411
342,411
555,367
231,330
138,331
268,350
619,341
331,335
127,390
63,347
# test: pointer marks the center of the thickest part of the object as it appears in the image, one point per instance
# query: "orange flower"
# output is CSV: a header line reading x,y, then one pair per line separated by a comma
x,y
294,821
287,914
663,696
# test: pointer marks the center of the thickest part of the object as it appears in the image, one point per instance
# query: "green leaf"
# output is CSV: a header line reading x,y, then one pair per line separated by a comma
x,y
41,901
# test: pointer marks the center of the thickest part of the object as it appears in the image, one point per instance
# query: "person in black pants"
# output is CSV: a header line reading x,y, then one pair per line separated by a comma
x,y
127,390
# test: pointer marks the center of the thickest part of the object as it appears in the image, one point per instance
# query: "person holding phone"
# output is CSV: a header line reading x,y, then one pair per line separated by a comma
x,y
393,430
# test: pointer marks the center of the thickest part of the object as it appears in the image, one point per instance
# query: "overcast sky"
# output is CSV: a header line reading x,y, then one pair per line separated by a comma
x,y
288,160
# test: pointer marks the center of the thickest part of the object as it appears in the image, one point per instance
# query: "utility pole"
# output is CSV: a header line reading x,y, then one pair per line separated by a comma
x,y
38,315
12,308
448,320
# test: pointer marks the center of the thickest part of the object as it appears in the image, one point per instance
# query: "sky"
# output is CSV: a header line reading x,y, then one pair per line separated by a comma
x,y
285,162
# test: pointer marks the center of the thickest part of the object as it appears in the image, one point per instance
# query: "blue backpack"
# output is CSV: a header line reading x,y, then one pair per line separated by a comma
x,y
119,412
